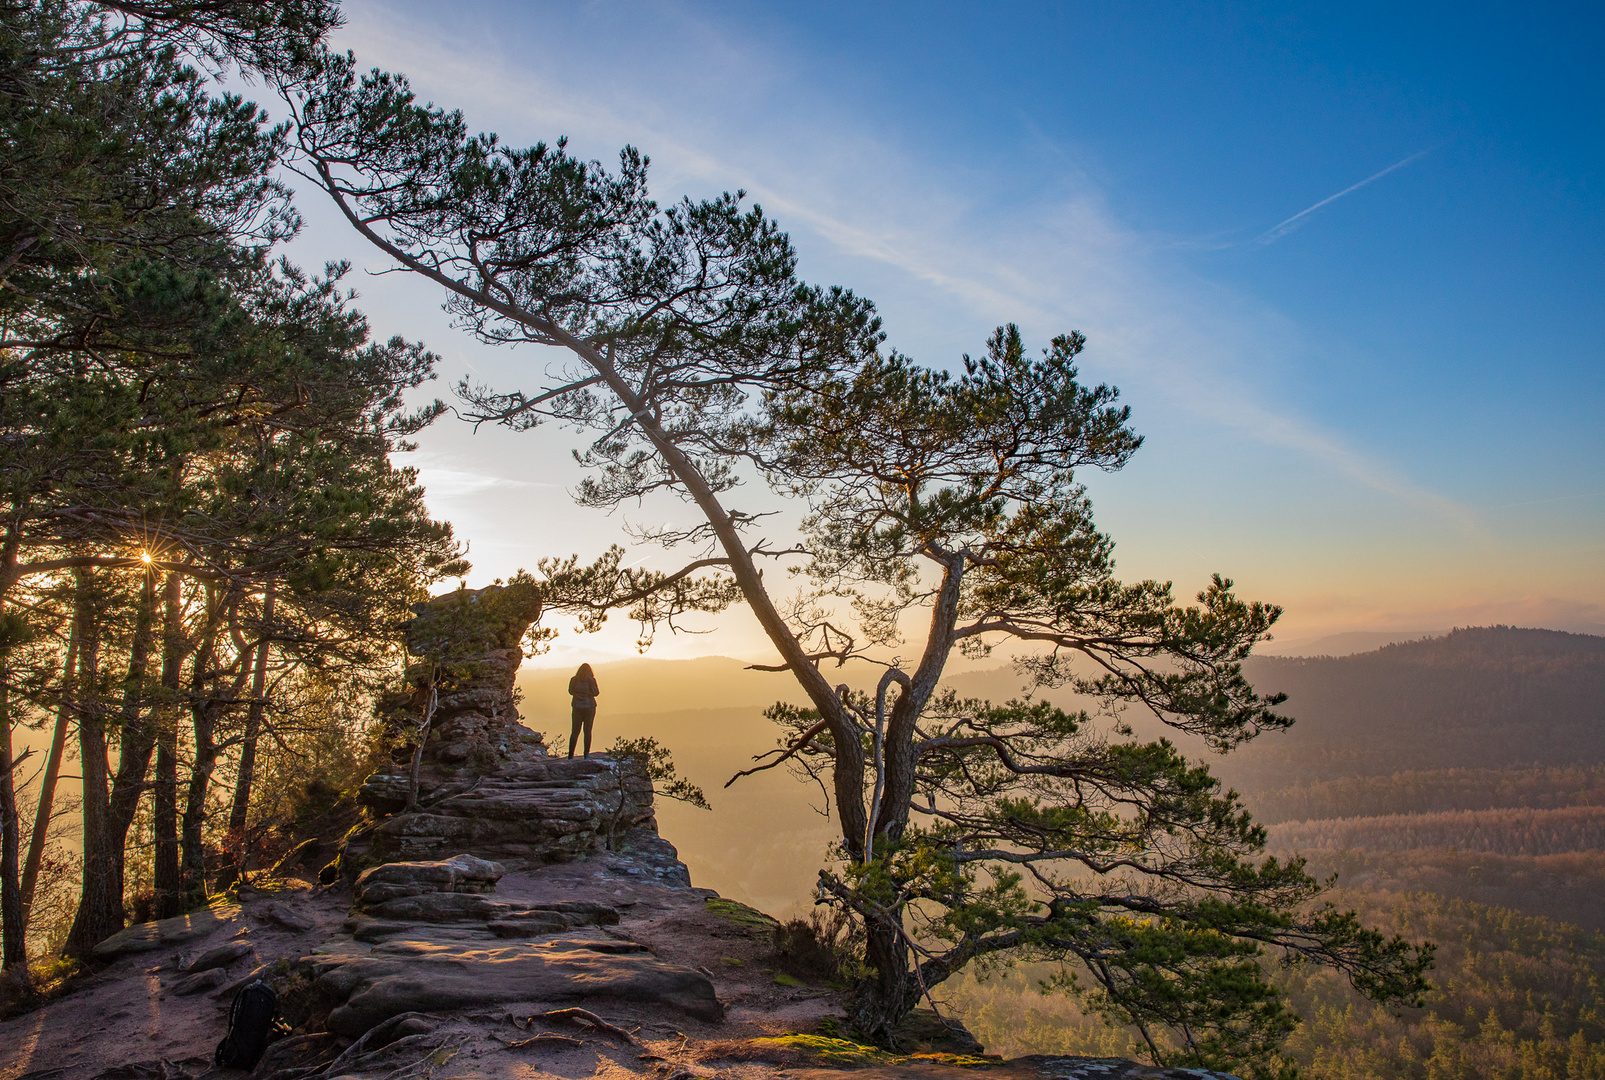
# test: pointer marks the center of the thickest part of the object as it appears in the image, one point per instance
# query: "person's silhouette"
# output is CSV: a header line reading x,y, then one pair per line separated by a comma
x,y
582,687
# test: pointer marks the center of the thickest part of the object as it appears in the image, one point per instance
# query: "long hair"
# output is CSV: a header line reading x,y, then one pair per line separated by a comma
x,y
585,669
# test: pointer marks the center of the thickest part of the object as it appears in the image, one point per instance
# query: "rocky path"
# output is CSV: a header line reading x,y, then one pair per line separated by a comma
x,y
438,962
669,969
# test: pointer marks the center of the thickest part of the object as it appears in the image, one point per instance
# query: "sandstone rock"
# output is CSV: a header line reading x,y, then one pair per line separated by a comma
x,y
200,982
374,931
584,912
923,1030
287,920
530,924
143,937
221,956
458,874
226,994
412,976
469,640
439,908
472,921
384,792
533,810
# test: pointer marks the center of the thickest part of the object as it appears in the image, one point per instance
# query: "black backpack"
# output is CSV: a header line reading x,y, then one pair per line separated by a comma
x,y
250,1025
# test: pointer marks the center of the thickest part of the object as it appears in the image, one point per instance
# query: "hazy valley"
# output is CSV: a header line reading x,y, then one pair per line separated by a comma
x,y
1455,785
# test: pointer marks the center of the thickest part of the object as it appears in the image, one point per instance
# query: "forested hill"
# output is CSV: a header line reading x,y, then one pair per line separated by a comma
x,y
1487,697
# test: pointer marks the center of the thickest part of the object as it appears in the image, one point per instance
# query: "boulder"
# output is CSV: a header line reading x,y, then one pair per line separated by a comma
x,y
417,976
439,908
200,982
221,956
458,874
144,937
286,919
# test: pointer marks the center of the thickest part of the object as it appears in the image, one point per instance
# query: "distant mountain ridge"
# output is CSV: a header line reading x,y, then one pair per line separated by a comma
x,y
1483,697
1346,643
1496,696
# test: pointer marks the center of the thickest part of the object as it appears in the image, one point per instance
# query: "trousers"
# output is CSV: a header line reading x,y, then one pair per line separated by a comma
x,y
583,718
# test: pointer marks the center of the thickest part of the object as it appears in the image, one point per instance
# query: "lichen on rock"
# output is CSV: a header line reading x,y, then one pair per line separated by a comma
x,y
468,645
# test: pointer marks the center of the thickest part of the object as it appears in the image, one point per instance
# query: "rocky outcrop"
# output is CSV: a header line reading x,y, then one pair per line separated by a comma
x,y
165,933
409,975
440,940
528,811
468,648
484,783
447,900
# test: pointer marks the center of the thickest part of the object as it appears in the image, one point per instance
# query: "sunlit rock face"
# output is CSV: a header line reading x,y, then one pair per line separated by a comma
x,y
468,648
529,810
485,783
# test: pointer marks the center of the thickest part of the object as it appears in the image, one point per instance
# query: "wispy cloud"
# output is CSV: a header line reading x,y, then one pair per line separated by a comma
x,y
1062,261
1276,232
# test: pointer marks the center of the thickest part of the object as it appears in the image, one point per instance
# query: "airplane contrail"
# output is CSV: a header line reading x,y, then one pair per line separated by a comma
x,y
1276,232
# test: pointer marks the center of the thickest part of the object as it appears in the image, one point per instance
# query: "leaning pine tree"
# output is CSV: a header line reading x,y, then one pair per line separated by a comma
x,y
969,830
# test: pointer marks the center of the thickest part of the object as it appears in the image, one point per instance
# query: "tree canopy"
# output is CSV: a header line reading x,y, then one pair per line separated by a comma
x,y
202,527
695,359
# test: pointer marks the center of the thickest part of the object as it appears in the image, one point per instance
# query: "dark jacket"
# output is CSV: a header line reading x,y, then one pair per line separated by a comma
x,y
584,692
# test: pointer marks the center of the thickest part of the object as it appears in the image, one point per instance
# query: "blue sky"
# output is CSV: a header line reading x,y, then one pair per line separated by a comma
x,y
1380,409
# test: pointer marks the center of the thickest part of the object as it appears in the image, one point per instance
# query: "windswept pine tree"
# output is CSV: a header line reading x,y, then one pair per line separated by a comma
x,y
970,831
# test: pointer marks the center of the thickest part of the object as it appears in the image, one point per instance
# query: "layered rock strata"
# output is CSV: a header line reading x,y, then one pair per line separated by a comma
x,y
528,811
439,941
468,645
484,783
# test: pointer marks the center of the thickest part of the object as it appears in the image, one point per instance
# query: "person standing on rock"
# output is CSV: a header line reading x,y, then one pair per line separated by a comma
x,y
582,687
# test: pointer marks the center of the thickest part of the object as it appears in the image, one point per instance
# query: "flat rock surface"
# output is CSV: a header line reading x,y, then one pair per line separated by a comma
x,y
129,1012
433,976
164,933
145,1029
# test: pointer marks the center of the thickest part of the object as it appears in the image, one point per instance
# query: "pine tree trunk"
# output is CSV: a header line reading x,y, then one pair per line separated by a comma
x,y
47,781
164,795
192,870
205,710
13,913
890,992
138,736
100,910
240,811
13,927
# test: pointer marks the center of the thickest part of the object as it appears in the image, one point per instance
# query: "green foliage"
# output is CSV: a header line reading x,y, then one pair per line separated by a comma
x,y
825,947
1434,791
178,406
828,1051
1512,996
659,766
652,598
